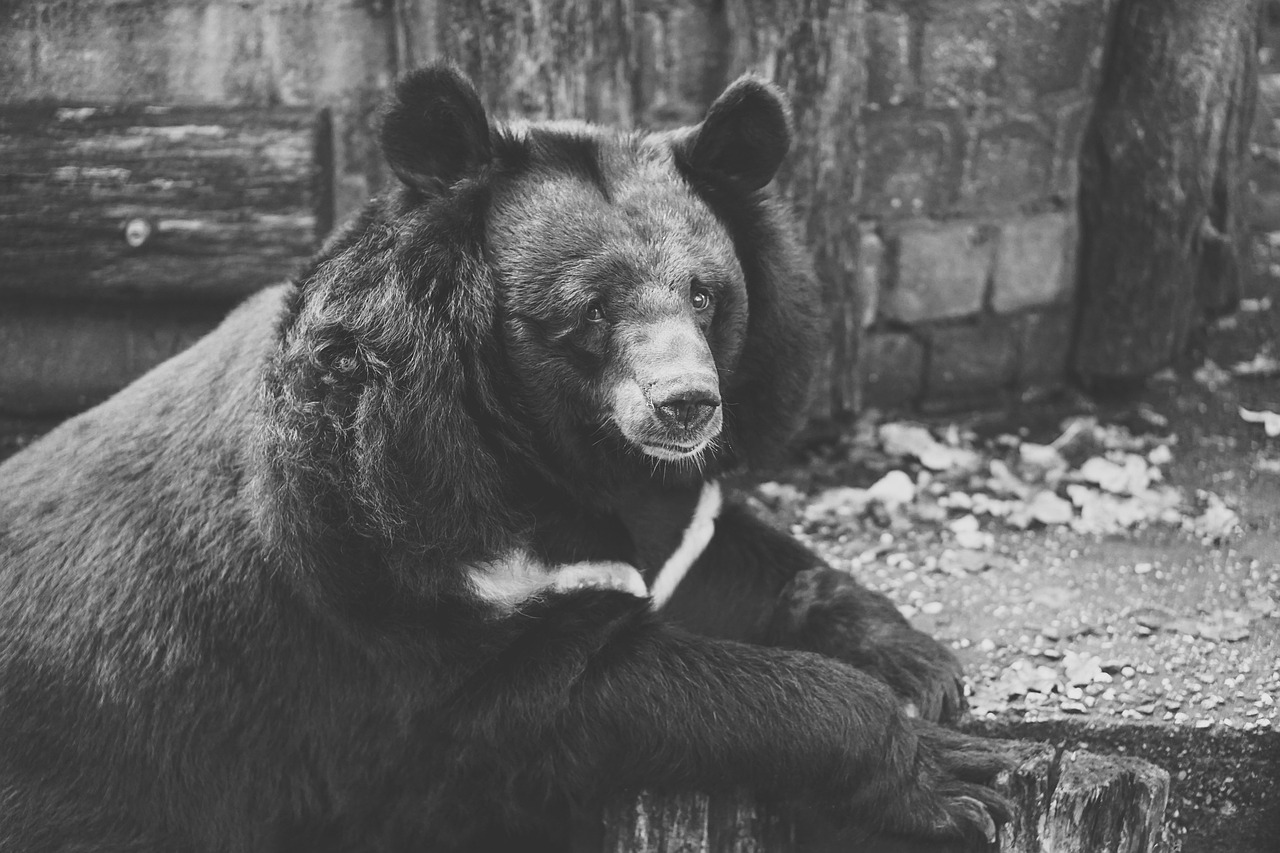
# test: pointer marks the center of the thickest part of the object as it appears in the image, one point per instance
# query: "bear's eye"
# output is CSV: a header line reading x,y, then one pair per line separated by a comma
x,y
595,311
699,296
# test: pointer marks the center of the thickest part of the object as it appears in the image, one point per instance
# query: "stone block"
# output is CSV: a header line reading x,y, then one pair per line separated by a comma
x,y
1010,51
970,364
890,80
1057,45
1035,262
1010,169
961,53
1044,345
912,165
58,359
1072,123
872,268
942,271
891,370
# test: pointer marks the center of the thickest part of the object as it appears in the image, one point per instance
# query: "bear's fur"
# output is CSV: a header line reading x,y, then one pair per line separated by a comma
x,y
361,570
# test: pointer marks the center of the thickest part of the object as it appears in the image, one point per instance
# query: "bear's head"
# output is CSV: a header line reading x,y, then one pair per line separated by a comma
x,y
545,304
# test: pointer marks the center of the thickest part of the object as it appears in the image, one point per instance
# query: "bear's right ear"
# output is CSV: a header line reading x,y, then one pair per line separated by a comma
x,y
434,130
745,135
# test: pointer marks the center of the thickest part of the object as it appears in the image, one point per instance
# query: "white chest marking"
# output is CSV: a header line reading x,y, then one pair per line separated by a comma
x,y
696,537
518,576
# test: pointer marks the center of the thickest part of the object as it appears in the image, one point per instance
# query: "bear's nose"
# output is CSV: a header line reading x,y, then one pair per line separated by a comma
x,y
687,410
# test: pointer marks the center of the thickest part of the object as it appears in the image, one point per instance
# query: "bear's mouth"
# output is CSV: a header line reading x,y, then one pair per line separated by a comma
x,y
670,452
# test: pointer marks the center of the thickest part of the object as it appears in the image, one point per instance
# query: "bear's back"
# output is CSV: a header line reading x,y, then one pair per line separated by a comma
x,y
123,489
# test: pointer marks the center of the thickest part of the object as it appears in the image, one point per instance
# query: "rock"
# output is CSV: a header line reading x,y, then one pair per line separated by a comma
x,y
893,489
903,439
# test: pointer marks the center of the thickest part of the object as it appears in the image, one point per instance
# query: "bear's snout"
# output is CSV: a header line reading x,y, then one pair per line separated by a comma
x,y
685,408
667,401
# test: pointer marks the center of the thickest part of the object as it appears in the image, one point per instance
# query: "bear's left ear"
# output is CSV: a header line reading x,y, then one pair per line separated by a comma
x,y
745,135
434,129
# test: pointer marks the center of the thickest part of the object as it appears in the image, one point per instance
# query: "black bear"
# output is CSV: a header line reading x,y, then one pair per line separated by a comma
x,y
423,549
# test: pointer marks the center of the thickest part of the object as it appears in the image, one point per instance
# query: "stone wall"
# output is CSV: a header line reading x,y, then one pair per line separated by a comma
x,y
936,168
974,122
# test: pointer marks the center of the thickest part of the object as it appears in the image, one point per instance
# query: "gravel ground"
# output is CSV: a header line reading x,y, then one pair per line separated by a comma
x,y
1160,640
1162,621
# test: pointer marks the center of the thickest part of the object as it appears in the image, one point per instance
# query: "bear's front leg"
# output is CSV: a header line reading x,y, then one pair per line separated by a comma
x,y
601,695
756,583
827,611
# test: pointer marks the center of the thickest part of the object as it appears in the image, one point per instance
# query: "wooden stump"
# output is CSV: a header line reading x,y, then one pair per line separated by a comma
x,y
1065,802
1164,244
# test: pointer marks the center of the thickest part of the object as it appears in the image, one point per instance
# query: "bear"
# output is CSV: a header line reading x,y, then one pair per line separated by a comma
x,y
430,548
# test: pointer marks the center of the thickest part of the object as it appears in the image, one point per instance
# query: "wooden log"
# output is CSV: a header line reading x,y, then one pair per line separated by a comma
x,y
1105,804
1161,183
333,54
156,202
691,823
1072,802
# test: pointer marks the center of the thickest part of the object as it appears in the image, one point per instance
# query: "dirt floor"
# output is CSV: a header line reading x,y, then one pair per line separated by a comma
x,y
1143,618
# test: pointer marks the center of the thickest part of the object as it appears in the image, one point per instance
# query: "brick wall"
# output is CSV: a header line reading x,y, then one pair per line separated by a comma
x,y
974,121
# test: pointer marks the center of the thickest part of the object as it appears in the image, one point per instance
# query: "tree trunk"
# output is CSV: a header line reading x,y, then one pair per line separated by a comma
x,y
1162,182
815,50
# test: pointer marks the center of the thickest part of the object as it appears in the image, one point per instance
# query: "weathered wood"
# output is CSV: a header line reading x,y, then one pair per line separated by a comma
x,y
1105,804
1071,802
693,823
682,59
155,202
542,59
814,49
1162,182
333,54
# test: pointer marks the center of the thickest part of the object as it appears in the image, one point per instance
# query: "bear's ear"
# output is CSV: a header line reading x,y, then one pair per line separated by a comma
x,y
745,135
434,130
